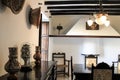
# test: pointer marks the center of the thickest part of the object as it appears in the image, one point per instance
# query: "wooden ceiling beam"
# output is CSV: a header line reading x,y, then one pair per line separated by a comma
x,y
81,2
82,13
57,11
112,7
79,7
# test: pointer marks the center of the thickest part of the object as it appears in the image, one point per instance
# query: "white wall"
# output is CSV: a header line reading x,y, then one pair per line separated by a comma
x,y
67,21
15,30
115,22
109,48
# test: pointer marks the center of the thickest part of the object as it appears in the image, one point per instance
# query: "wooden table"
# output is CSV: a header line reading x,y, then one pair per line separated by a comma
x,y
47,71
81,73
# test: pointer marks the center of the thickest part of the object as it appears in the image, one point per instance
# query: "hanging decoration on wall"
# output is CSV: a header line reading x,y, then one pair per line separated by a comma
x,y
94,26
59,28
15,5
34,16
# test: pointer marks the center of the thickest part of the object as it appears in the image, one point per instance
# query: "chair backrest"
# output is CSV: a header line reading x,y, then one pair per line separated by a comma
x,y
62,63
59,57
71,67
89,60
119,57
102,72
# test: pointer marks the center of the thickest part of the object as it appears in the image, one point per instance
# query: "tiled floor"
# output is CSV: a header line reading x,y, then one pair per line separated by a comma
x,y
62,77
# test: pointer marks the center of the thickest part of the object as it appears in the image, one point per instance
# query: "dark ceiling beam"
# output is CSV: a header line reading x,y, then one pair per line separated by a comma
x,y
82,13
93,11
79,7
76,7
81,2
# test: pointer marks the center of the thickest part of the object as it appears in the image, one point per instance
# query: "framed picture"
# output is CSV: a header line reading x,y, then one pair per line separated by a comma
x,y
94,26
90,61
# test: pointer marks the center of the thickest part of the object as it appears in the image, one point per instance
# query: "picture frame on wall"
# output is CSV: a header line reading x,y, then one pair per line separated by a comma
x,y
94,26
90,61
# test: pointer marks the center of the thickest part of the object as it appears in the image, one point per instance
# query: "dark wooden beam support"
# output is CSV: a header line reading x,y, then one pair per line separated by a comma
x,y
112,7
84,36
80,7
93,11
81,13
81,2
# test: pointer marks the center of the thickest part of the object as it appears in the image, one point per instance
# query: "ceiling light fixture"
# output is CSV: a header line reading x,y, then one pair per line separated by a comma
x,y
101,17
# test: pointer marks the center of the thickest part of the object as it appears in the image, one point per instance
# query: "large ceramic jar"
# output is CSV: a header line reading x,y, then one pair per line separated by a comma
x,y
12,66
37,56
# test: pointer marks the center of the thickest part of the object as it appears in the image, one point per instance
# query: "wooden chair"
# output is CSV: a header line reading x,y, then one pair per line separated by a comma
x,y
102,72
71,67
62,63
117,67
89,60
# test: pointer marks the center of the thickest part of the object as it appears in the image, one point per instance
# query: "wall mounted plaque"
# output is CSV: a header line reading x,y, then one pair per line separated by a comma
x,y
15,5
34,16
94,26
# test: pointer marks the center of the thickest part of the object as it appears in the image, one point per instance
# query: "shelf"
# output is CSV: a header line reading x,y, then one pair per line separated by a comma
x,y
84,36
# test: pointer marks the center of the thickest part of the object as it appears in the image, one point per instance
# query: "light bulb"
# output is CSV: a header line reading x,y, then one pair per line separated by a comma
x,y
103,19
107,23
98,21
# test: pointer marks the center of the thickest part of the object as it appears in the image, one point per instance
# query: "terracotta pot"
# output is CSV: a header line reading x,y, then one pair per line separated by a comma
x,y
37,56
